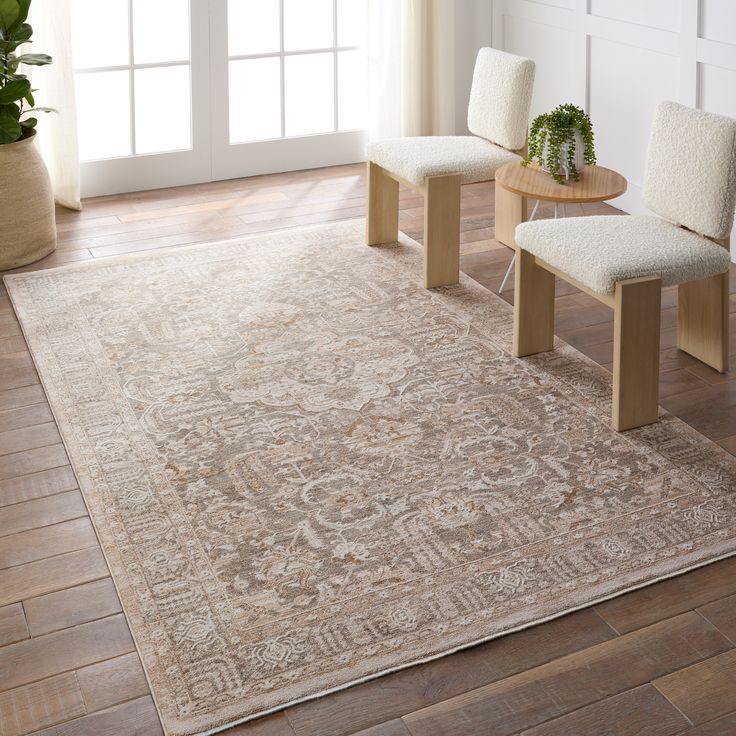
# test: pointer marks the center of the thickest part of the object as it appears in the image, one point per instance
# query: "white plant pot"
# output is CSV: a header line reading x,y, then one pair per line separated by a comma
x,y
579,155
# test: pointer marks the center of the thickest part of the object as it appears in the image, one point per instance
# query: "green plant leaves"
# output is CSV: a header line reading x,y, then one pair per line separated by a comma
x,y
9,13
22,33
553,130
10,40
10,129
10,64
13,13
35,59
40,109
25,7
14,91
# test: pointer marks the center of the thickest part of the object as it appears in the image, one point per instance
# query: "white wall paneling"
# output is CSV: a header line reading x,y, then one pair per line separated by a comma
x,y
554,51
472,32
627,82
618,59
718,20
661,14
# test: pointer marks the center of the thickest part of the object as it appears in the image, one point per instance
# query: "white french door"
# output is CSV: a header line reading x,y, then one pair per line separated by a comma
x,y
174,92
142,80
293,73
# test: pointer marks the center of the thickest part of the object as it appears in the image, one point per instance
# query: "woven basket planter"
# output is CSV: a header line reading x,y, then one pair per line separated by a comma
x,y
27,220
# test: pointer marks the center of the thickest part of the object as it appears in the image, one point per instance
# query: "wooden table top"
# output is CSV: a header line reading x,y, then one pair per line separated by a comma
x,y
596,184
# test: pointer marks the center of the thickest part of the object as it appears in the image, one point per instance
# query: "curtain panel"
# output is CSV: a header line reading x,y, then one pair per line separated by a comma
x,y
428,67
57,132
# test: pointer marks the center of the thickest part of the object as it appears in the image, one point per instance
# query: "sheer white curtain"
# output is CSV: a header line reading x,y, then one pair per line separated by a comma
x,y
57,132
411,61
428,67
384,64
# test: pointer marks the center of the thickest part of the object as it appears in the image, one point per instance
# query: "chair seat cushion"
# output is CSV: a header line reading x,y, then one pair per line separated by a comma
x,y
599,251
416,158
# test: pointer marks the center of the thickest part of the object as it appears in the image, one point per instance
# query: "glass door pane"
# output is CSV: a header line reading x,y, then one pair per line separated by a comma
x,y
160,31
309,92
255,99
295,68
176,91
103,114
133,78
308,25
253,27
162,89
100,33
352,83
142,73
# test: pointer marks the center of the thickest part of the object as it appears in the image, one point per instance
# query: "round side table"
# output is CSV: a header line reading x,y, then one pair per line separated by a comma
x,y
516,184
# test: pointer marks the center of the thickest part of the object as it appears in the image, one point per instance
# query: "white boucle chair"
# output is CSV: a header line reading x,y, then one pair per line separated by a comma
x,y
690,183
436,166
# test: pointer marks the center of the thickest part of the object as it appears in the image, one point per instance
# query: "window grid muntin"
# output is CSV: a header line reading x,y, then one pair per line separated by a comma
x,y
281,54
131,67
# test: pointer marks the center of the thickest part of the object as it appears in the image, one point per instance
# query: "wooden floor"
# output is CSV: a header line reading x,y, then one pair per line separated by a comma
x,y
657,662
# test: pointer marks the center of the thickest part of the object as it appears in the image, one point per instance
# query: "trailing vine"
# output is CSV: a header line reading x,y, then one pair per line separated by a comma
x,y
556,129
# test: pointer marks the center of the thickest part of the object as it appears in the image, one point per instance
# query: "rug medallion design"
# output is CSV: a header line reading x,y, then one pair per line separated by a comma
x,y
306,470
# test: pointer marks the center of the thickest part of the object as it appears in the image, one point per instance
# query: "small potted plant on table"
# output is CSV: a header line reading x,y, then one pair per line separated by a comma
x,y
561,142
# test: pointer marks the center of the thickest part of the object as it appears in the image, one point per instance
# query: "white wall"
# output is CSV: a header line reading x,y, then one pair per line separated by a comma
x,y
618,59
472,31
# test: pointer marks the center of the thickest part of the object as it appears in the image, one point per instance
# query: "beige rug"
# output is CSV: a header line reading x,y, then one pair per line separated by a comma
x,y
305,470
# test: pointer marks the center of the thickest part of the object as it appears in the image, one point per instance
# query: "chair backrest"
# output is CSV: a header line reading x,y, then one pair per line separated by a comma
x,y
500,98
690,176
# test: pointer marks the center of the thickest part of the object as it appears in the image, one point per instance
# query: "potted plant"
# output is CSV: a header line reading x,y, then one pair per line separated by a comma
x,y
27,223
561,142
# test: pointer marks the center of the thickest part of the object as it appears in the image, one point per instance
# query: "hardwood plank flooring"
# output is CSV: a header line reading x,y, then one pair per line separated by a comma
x,y
642,710
13,625
37,485
112,681
61,609
40,512
40,704
722,613
46,541
517,703
44,656
703,690
134,718
21,582
659,661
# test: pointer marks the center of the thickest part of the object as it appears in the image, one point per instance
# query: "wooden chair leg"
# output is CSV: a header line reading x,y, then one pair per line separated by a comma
x,y
382,221
534,307
510,211
702,320
636,353
442,231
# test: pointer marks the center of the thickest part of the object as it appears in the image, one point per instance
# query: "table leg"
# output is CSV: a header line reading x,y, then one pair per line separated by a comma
x,y
513,259
508,273
511,209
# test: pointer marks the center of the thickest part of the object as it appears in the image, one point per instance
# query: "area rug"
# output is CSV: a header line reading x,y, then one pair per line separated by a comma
x,y
306,470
